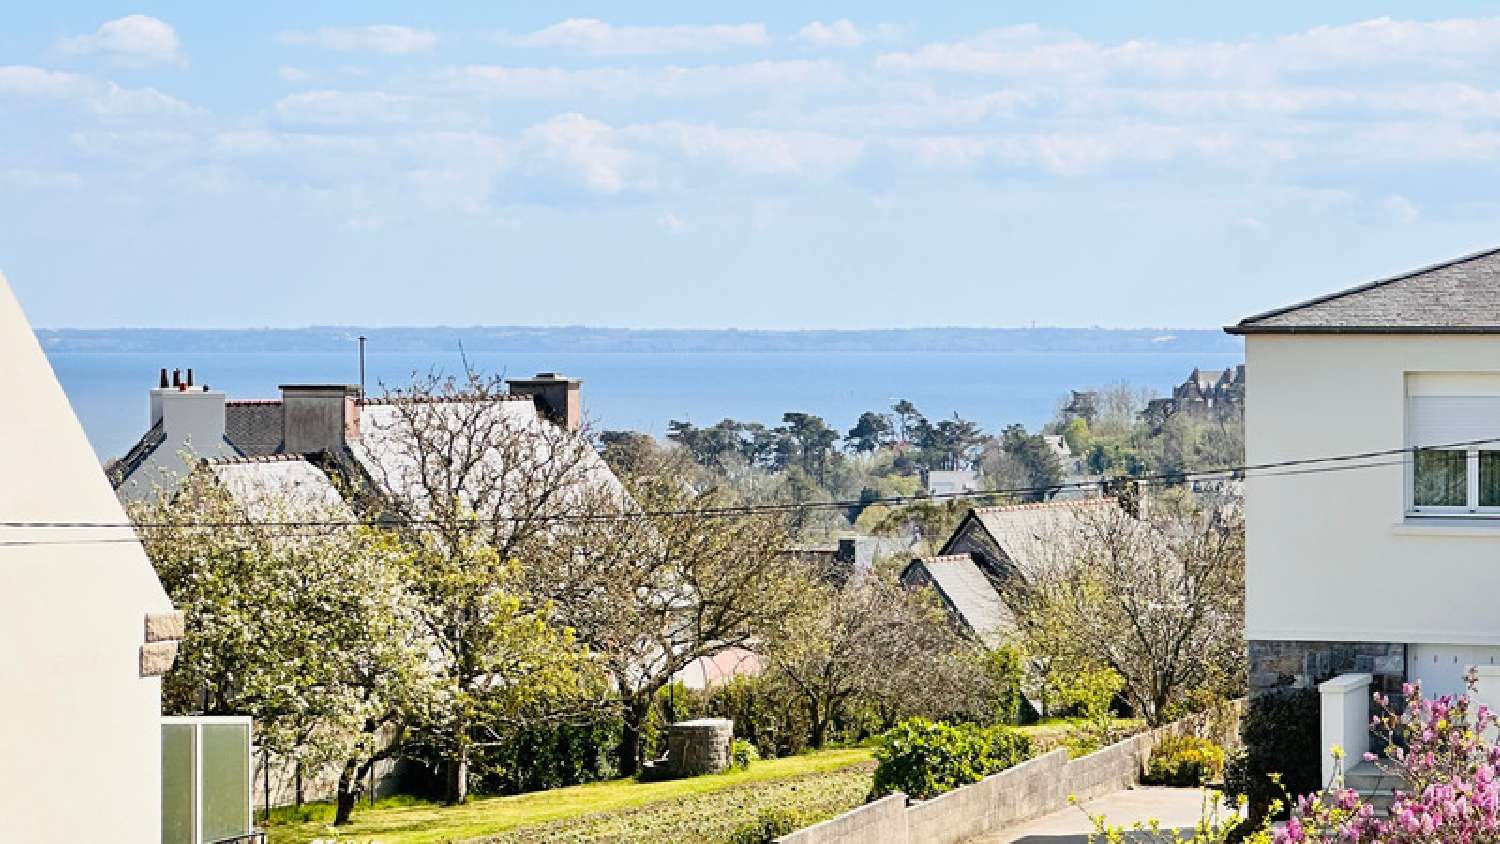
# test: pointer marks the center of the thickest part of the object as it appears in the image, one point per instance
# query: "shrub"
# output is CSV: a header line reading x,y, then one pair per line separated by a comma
x,y
924,758
741,754
769,824
1280,734
1185,761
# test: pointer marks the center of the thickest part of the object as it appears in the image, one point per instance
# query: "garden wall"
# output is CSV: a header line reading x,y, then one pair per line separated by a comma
x,y
1034,787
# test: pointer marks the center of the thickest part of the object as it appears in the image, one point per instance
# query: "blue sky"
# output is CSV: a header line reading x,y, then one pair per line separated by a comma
x,y
751,165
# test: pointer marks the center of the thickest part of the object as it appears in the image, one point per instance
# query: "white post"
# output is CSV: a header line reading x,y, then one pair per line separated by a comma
x,y
1345,720
1487,692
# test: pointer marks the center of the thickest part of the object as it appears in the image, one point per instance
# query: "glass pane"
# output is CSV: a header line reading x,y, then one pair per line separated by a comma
x,y
1440,478
176,783
1489,479
226,780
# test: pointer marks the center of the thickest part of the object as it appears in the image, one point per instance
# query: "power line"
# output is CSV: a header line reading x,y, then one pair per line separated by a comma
x,y
1308,465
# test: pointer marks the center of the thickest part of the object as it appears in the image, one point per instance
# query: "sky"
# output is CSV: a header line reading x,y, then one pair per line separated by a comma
x,y
710,165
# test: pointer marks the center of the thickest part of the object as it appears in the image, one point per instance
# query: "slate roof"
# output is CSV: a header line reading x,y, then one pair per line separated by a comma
x,y
279,486
1034,537
965,589
253,427
147,445
1461,296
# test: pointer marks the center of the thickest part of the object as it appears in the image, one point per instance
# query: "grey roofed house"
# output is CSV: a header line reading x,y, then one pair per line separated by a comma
x,y
1461,296
996,546
966,591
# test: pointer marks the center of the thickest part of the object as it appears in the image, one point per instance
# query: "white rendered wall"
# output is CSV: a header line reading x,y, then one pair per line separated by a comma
x,y
1332,555
80,744
193,421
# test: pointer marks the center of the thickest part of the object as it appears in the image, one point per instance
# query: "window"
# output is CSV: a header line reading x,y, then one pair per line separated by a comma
x,y
1455,465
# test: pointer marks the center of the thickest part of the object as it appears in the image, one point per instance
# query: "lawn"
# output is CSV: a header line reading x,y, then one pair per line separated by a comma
x,y
698,809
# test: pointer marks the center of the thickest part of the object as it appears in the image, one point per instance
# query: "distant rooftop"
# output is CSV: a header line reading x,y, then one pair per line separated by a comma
x,y
1461,296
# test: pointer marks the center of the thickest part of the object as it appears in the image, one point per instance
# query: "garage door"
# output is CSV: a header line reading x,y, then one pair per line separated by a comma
x,y
1441,668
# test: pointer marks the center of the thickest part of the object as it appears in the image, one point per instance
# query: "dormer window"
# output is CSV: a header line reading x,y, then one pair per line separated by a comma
x,y
1453,427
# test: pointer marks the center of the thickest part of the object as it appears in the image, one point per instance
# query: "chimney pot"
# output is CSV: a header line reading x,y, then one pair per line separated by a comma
x,y
163,384
177,378
190,376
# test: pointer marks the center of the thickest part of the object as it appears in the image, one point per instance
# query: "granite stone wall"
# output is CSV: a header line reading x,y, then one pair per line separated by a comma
x,y
1300,664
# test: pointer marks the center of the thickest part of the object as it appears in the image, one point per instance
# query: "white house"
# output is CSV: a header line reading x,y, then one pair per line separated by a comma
x,y
87,626
1384,565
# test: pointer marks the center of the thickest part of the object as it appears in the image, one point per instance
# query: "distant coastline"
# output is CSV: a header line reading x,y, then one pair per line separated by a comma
x,y
623,340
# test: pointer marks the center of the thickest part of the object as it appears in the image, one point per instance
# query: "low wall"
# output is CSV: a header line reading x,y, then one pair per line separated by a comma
x,y
1035,787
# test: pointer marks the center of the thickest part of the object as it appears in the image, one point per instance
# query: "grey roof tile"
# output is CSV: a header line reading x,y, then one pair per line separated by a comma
x,y
253,427
1461,296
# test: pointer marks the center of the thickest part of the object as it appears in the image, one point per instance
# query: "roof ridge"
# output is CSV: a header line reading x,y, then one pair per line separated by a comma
x,y
255,458
383,400
1047,505
947,558
1248,322
250,402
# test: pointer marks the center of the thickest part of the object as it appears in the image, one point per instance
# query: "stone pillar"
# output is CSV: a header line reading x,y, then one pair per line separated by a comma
x,y
699,747
1345,720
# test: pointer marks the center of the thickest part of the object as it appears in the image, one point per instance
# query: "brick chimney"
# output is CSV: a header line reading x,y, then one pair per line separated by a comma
x,y
318,417
557,396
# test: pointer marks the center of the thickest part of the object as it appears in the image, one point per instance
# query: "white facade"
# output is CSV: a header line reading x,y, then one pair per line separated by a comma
x,y
80,745
1339,556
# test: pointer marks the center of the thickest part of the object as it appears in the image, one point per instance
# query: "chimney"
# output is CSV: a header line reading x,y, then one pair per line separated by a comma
x,y
318,417
190,419
557,397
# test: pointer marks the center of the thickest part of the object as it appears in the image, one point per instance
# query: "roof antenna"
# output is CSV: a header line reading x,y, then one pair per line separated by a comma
x,y
361,366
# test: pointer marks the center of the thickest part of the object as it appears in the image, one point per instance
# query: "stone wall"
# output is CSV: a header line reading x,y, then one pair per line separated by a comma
x,y
699,747
1035,787
1299,664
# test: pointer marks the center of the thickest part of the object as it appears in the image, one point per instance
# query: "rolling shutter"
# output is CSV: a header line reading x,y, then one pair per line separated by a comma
x,y
1447,420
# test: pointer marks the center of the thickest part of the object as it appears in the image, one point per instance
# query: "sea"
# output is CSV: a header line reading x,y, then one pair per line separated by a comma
x,y
645,391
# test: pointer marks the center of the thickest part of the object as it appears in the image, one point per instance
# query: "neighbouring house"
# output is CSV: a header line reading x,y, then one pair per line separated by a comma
x,y
324,453
852,557
952,481
1206,392
1381,568
992,548
88,627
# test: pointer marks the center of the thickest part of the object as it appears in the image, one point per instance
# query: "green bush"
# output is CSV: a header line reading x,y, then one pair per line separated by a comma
x,y
769,824
1185,761
924,758
741,754
1281,742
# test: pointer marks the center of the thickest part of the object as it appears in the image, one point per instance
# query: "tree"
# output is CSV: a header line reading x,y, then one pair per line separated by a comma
x,y
873,641
1076,435
1159,600
660,585
626,451
806,441
906,419
307,630
873,431
1039,464
483,487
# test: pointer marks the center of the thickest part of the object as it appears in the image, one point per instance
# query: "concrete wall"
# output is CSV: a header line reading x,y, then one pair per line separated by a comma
x,y
1035,787
193,423
80,740
1326,549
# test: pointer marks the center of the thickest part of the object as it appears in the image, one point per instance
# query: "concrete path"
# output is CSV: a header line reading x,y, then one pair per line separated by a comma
x,y
1176,808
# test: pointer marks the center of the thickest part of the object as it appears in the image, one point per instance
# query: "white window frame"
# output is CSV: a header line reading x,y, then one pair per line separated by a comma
x,y
1451,386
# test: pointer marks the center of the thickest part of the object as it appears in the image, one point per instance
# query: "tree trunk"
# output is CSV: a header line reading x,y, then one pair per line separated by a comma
x,y
636,710
297,783
819,725
348,793
458,777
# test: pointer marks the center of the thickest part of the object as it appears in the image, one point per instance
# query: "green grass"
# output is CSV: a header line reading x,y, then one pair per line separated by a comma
x,y
564,811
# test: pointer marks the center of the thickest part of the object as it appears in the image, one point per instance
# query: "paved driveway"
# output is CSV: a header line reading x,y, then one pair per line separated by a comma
x,y
1176,808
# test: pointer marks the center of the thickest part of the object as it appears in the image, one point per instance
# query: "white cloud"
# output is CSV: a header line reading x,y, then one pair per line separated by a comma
x,y
352,108
376,38
673,224
840,33
132,41
596,37
767,152
631,82
101,97
1400,209
587,148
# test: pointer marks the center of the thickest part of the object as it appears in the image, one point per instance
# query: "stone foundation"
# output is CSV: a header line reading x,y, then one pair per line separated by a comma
x,y
1287,664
